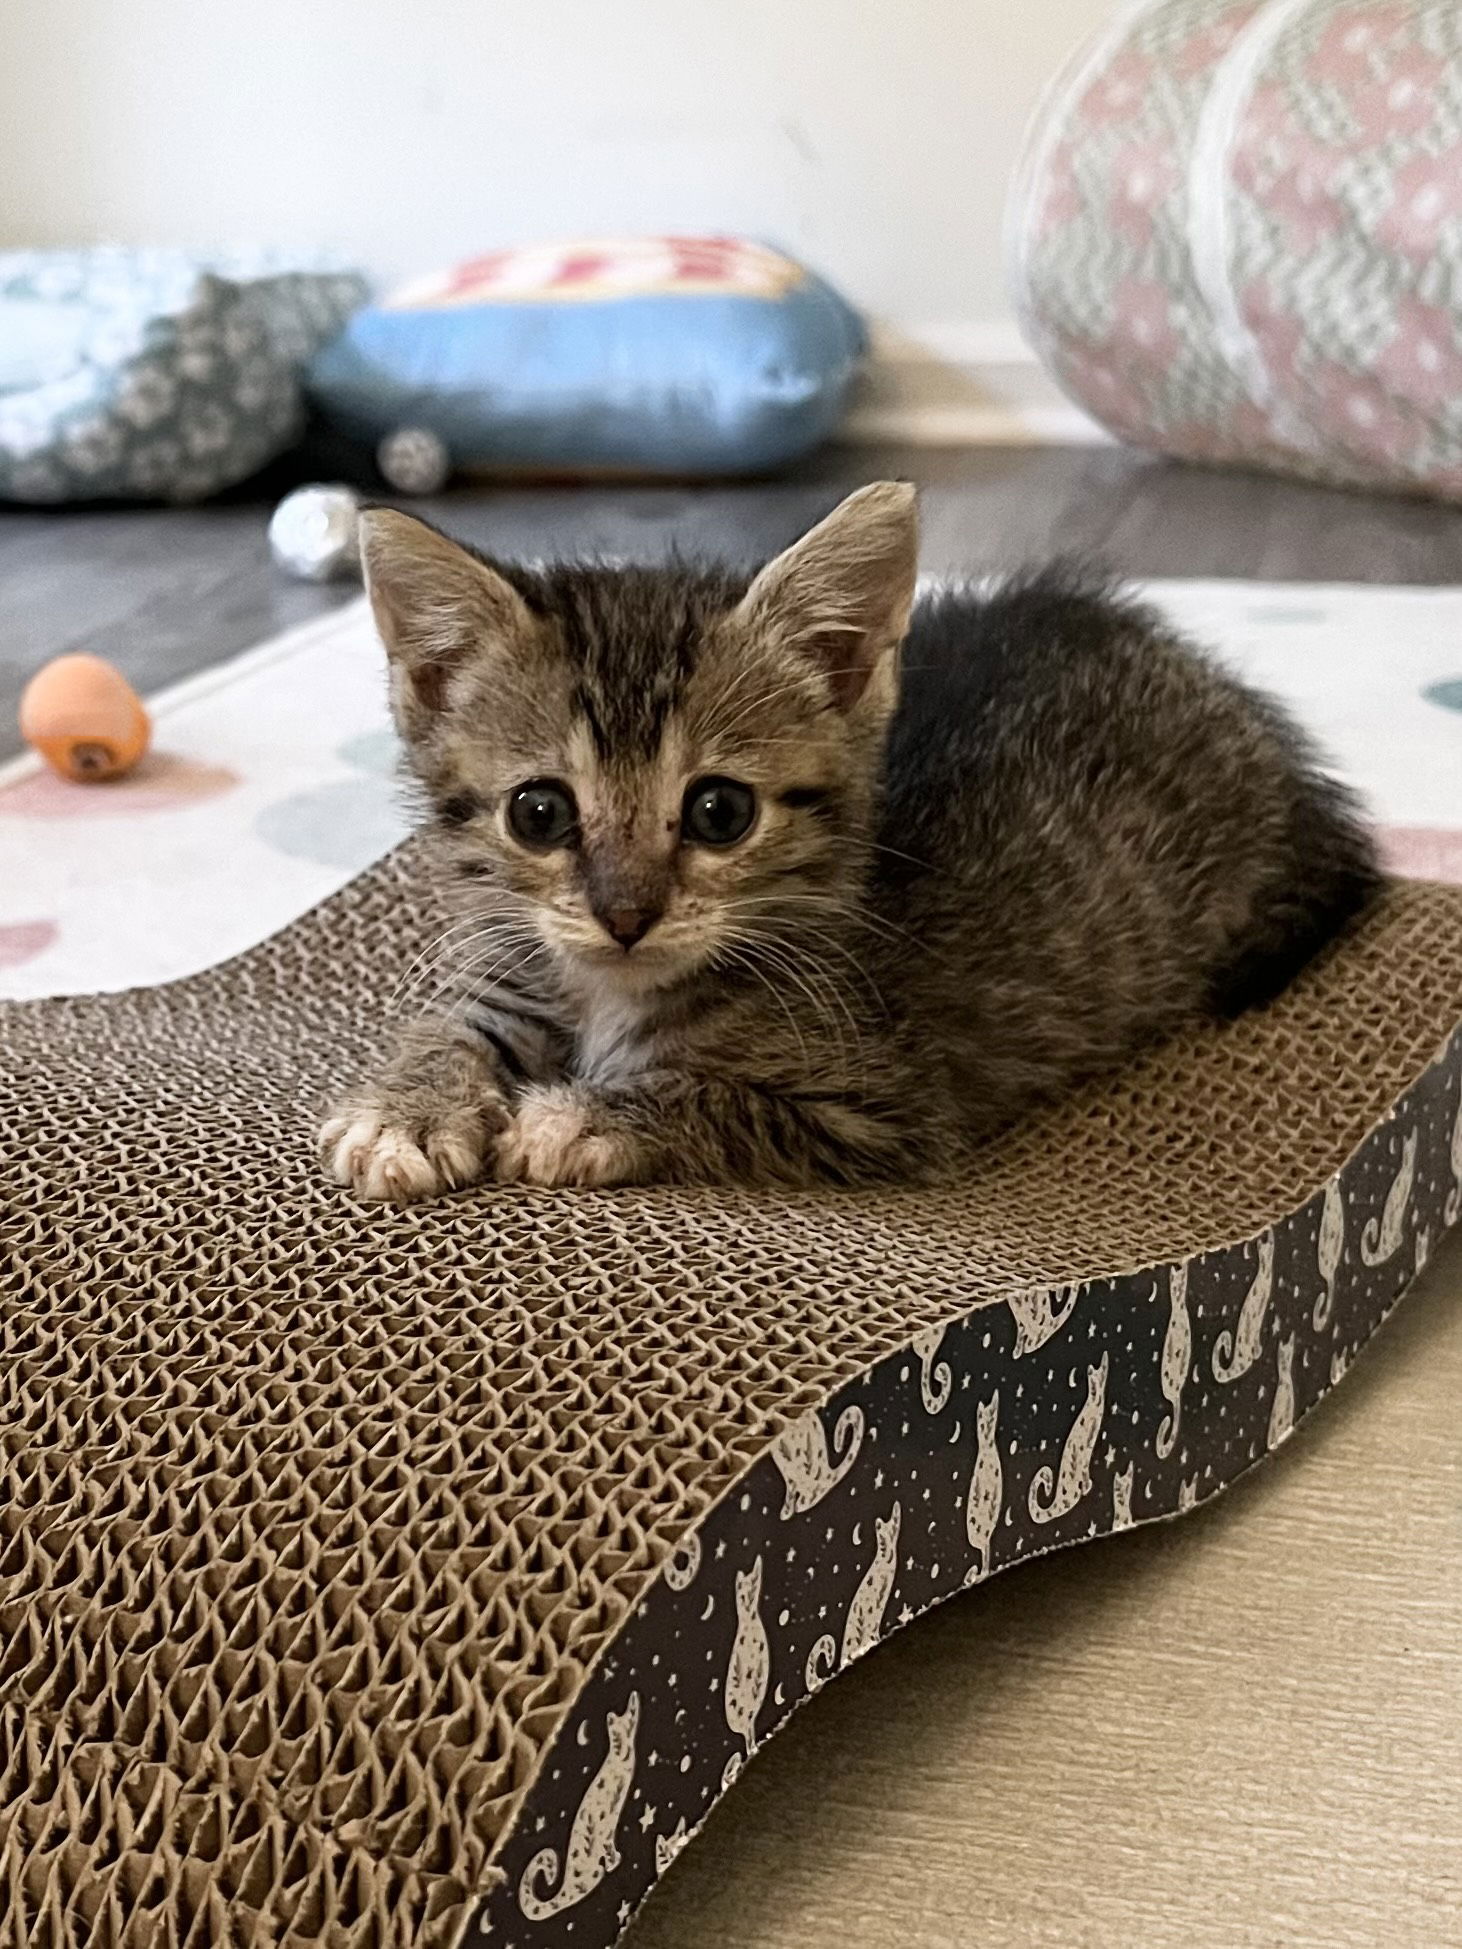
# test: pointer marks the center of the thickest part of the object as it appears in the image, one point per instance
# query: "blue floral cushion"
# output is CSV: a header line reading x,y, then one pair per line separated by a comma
x,y
151,375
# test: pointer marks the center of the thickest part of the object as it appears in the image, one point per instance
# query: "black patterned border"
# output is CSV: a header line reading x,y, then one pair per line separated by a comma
x,y
1025,1425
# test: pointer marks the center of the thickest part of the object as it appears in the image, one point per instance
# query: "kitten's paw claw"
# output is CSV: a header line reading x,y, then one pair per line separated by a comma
x,y
551,1140
384,1161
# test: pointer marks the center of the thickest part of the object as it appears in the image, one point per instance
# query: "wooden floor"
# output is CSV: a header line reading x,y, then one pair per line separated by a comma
x,y
1239,1731
163,592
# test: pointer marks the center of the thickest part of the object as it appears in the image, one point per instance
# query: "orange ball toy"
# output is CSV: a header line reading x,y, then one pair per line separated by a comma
x,y
84,718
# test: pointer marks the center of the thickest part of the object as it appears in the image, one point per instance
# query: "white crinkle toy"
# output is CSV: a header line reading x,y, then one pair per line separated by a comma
x,y
312,533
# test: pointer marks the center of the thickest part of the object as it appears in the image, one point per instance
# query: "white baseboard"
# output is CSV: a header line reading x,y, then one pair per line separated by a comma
x,y
963,384
973,426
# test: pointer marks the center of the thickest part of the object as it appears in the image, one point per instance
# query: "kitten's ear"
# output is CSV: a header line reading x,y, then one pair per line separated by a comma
x,y
842,594
434,605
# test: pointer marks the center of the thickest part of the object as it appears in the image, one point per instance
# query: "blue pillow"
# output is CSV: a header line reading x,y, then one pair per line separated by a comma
x,y
150,374
661,356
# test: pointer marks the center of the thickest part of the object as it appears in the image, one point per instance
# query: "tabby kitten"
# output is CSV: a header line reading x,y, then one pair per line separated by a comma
x,y
740,900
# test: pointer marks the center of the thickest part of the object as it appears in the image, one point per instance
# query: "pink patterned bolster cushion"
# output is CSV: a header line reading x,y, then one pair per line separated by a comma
x,y
1237,235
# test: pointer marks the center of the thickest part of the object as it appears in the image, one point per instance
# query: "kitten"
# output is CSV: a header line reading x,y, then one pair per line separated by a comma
x,y
739,899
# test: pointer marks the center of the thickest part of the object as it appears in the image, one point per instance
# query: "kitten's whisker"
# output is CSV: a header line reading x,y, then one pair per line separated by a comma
x,y
429,953
747,674
877,846
737,954
757,744
722,728
478,984
787,687
818,990
858,917
833,908
862,918
831,982
464,965
446,955
792,944
456,934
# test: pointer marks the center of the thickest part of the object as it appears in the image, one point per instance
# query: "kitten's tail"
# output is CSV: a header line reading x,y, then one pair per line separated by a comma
x,y
1327,873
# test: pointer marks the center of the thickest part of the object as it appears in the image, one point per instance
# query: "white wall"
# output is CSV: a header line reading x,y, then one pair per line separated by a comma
x,y
874,137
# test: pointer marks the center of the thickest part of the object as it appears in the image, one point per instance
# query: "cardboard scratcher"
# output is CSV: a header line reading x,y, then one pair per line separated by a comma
x,y
387,1579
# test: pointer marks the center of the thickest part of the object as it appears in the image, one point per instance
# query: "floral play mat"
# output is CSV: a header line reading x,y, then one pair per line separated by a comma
x,y
271,781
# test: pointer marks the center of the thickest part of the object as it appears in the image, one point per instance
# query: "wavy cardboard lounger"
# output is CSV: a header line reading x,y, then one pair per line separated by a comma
x,y
387,1579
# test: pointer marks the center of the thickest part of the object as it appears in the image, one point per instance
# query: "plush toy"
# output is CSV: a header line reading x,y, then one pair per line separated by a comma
x,y
84,718
414,460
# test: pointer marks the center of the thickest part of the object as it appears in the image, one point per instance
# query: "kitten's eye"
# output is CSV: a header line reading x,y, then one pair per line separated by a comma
x,y
718,811
543,814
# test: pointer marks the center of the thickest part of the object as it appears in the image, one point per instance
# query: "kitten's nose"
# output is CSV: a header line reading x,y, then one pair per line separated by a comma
x,y
628,924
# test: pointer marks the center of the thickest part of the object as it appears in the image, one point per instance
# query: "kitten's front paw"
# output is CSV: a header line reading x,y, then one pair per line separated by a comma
x,y
552,1140
381,1155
